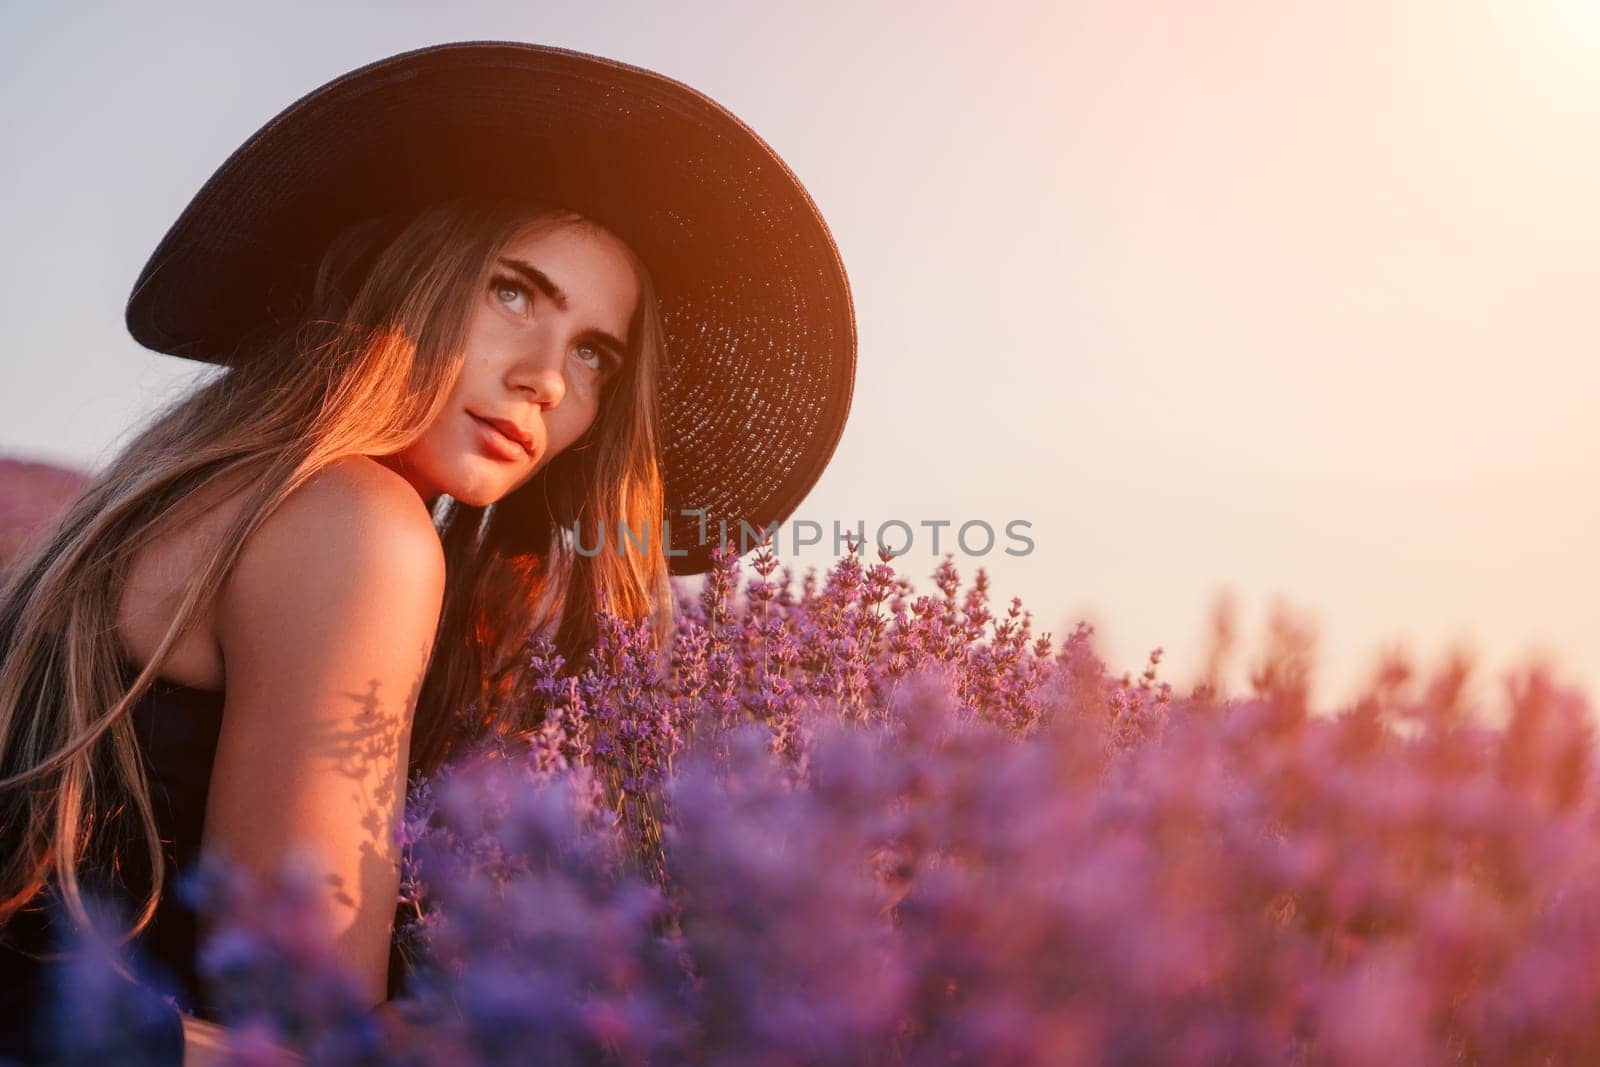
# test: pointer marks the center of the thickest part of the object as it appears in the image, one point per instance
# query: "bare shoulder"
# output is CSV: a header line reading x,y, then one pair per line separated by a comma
x,y
352,510
355,498
353,546
356,506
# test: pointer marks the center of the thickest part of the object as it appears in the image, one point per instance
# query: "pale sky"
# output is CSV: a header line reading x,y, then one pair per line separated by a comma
x,y
1293,300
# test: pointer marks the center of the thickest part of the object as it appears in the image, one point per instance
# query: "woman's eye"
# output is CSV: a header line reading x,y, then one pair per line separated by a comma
x,y
592,357
510,293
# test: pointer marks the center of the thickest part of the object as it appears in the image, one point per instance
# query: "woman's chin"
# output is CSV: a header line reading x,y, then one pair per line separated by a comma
x,y
480,492
476,497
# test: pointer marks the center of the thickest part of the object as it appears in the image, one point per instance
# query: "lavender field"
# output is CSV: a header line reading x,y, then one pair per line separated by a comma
x,y
854,824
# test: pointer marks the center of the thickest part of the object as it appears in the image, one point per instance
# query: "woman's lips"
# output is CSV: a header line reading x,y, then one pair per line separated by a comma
x,y
497,442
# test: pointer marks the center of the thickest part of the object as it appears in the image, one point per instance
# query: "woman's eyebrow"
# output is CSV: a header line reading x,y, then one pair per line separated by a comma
x,y
538,279
541,281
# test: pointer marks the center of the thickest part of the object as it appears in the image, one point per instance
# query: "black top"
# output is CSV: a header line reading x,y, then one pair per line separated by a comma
x,y
176,728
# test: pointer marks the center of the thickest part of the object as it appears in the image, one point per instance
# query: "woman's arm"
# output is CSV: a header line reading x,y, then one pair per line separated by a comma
x,y
325,624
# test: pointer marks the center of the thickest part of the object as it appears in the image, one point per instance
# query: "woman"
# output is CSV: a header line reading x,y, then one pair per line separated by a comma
x,y
472,300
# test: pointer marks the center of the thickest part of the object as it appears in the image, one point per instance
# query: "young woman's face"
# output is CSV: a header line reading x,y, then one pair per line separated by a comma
x,y
545,333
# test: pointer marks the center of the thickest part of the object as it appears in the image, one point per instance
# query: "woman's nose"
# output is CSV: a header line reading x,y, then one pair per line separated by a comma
x,y
539,373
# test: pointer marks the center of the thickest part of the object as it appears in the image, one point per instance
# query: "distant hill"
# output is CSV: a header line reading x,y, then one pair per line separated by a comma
x,y
32,496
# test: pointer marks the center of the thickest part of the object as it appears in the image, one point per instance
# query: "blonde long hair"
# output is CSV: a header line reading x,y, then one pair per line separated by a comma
x,y
363,370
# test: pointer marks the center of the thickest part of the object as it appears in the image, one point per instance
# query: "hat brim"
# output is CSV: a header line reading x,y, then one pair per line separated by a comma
x,y
754,299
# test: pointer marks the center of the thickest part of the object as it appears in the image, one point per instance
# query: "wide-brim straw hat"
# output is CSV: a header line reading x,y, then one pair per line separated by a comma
x,y
759,323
